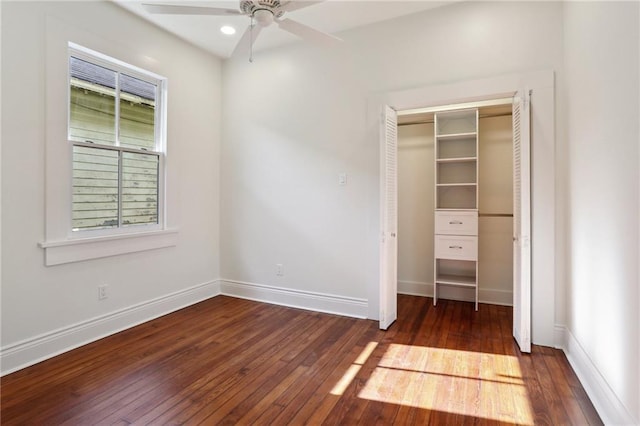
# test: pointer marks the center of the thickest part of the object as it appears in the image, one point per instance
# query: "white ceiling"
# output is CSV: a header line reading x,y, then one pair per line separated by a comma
x,y
331,16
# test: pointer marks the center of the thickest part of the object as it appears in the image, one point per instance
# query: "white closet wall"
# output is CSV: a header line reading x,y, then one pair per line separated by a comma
x,y
415,212
415,209
495,240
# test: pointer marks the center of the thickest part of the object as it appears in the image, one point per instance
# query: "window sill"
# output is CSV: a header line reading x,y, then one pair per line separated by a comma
x,y
67,251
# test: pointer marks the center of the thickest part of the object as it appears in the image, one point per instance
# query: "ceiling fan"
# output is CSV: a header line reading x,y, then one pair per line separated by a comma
x,y
262,14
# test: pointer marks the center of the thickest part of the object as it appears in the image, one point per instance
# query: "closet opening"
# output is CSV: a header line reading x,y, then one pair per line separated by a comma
x,y
456,206
471,178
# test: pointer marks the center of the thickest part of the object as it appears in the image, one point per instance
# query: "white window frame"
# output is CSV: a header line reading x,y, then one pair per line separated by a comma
x,y
62,244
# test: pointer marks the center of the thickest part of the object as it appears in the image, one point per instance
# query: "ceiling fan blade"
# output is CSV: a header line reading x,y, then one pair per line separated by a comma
x,y
295,5
248,38
307,33
171,9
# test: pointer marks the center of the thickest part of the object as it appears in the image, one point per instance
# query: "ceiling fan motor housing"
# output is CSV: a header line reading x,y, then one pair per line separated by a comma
x,y
250,7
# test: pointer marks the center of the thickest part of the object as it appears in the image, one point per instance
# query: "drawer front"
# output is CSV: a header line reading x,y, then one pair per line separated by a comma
x,y
459,248
456,223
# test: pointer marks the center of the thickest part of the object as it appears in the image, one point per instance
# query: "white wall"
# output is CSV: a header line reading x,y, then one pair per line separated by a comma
x,y
602,112
297,116
39,302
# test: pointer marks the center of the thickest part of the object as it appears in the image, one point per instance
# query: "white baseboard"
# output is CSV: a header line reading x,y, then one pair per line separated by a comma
x,y
559,337
319,302
415,288
491,296
31,351
495,297
604,399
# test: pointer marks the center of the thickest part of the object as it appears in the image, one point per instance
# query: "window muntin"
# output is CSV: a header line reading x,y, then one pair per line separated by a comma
x,y
114,124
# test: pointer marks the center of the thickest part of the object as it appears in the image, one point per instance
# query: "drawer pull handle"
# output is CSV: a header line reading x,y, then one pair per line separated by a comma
x,y
455,222
456,247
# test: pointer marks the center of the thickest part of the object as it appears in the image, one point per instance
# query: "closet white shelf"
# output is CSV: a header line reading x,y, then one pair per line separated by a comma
x,y
457,160
457,280
456,136
444,185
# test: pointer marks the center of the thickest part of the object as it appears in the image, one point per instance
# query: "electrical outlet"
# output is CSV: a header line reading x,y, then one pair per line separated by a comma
x,y
279,270
102,292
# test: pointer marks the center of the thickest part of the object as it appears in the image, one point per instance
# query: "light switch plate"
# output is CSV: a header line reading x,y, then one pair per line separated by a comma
x,y
342,179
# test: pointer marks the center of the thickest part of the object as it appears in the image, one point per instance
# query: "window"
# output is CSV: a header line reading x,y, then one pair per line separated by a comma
x,y
105,151
115,132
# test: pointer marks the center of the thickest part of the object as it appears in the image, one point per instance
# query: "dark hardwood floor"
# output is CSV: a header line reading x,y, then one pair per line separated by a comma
x,y
233,361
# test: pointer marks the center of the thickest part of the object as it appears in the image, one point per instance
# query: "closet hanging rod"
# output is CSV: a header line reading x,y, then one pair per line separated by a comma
x,y
495,214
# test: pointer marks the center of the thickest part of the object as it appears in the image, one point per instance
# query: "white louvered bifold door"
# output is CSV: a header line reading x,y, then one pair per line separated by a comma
x,y
389,218
521,221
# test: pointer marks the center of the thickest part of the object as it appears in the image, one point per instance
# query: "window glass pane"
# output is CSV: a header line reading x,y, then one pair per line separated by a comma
x,y
139,188
93,107
137,113
95,188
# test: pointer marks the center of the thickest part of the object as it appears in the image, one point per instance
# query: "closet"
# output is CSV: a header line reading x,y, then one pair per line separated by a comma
x,y
455,204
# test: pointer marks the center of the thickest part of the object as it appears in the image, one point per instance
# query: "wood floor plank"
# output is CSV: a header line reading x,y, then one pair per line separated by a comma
x,y
218,383
569,402
352,405
578,391
101,372
540,413
235,407
172,368
547,383
315,410
305,387
232,361
305,366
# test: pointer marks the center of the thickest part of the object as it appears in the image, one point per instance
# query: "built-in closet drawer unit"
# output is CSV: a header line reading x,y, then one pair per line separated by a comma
x,y
456,223
456,200
456,247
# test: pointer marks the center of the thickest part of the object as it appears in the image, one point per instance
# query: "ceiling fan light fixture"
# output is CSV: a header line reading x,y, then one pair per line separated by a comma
x,y
263,17
227,30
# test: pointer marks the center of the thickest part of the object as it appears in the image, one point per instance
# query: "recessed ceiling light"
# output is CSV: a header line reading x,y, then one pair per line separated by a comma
x,y
227,30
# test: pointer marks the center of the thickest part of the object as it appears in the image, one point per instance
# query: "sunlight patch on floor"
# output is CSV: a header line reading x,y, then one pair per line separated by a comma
x,y
475,384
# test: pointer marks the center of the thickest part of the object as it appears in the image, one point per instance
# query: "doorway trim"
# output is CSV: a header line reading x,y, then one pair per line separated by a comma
x,y
543,212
